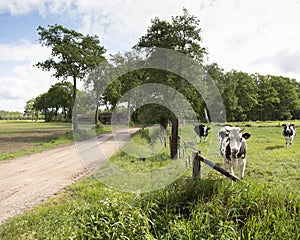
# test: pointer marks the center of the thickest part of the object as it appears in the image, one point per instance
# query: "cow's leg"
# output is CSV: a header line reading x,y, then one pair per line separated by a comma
x,y
291,141
242,166
230,168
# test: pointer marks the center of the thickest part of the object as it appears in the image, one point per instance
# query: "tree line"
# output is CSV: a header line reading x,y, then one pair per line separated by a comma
x,y
254,97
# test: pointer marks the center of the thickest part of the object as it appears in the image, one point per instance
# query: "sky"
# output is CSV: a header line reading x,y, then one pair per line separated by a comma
x,y
257,36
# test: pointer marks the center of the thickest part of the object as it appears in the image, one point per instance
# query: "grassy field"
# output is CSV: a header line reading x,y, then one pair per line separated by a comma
x,y
265,205
18,138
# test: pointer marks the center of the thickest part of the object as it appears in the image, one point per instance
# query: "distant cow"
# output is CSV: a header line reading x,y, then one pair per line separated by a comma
x,y
233,148
289,133
201,131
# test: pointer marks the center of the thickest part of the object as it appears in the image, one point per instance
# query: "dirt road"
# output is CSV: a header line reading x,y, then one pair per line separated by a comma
x,y
30,180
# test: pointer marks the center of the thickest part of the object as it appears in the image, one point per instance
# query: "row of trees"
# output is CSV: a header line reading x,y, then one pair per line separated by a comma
x,y
7,115
55,104
255,96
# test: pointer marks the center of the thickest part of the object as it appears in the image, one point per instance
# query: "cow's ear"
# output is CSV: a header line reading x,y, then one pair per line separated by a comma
x,y
293,124
208,128
284,125
246,135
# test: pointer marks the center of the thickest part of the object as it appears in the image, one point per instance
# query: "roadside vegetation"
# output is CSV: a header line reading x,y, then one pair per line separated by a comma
x,y
265,205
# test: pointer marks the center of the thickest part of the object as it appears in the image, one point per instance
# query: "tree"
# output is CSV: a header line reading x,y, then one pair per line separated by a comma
x,y
60,98
30,109
181,34
73,55
42,105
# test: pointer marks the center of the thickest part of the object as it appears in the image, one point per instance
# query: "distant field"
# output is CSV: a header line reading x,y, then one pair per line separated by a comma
x,y
21,137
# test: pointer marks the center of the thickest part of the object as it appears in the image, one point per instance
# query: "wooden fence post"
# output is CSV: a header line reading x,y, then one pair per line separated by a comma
x,y
196,164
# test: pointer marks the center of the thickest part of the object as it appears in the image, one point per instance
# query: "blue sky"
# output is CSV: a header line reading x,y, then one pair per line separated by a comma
x,y
252,36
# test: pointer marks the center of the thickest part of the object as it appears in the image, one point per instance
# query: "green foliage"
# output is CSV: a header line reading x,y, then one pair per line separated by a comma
x,y
8,115
58,99
256,97
73,55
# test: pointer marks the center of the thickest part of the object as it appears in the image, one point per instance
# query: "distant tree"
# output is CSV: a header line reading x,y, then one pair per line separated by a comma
x,y
73,55
246,95
60,98
30,109
42,104
288,97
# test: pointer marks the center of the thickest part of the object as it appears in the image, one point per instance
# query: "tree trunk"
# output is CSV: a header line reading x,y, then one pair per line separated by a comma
x,y
174,139
128,111
97,113
75,113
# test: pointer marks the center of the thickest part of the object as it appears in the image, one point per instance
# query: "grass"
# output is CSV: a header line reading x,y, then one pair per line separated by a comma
x,y
265,205
19,138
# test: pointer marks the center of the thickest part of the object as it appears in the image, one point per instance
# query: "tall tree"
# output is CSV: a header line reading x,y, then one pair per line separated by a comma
x,y
181,34
73,55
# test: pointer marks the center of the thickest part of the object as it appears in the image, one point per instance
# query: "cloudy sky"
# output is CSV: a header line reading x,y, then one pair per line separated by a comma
x,y
253,36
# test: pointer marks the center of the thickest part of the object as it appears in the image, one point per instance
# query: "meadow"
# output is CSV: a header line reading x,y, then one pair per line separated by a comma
x,y
265,205
19,138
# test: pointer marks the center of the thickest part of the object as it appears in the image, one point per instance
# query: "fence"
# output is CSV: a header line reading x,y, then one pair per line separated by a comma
x,y
197,158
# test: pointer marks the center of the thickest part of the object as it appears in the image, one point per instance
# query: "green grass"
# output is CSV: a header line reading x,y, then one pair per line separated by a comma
x,y
265,205
19,138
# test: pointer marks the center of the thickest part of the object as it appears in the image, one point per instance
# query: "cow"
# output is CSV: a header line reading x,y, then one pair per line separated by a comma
x,y
233,149
201,131
289,133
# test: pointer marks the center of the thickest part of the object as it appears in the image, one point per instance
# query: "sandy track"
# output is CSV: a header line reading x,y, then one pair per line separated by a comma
x,y
28,181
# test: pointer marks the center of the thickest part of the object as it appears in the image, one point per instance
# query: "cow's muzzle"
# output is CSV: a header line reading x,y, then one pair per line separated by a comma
x,y
234,151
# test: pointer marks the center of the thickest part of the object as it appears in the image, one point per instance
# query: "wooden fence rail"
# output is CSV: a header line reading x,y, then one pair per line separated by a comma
x,y
197,158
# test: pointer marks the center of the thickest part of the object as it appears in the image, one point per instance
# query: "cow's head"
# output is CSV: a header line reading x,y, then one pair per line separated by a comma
x,y
235,138
288,128
205,130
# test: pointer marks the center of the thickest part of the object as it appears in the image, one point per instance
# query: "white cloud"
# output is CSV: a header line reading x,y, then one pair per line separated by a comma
x,y
246,35
43,7
23,50
121,23
26,83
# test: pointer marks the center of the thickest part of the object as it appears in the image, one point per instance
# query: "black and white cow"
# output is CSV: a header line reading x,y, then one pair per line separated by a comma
x,y
233,148
289,133
201,131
